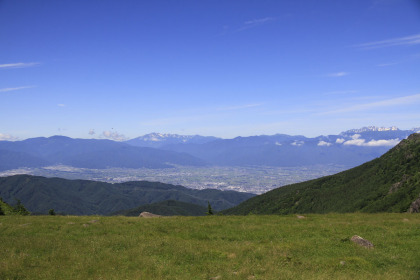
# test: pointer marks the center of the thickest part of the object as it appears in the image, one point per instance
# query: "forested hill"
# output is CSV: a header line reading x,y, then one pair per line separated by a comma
x,y
83,197
390,183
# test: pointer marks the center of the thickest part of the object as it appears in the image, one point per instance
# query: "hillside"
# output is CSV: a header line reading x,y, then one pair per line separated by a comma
x,y
84,197
166,208
390,183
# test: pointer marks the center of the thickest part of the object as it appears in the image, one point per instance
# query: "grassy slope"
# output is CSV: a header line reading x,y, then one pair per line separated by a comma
x,y
215,247
365,188
167,208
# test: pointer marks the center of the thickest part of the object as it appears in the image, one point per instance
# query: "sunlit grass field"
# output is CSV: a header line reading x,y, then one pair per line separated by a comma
x,y
212,247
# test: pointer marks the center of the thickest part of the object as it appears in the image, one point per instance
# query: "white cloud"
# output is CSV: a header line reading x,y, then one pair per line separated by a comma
x,y
408,40
355,136
298,143
7,137
61,105
19,65
338,74
339,140
373,143
113,135
277,144
355,142
390,142
15,88
323,143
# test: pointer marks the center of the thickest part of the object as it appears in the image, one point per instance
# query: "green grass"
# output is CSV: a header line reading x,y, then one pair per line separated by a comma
x,y
213,247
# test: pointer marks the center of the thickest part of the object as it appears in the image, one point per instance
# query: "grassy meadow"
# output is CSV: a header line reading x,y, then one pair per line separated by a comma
x,y
214,247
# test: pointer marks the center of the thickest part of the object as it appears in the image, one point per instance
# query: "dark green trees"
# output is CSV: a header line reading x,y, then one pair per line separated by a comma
x,y
20,209
209,210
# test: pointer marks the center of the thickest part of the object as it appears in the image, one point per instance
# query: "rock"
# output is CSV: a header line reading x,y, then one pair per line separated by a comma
x,y
301,217
415,206
362,242
148,215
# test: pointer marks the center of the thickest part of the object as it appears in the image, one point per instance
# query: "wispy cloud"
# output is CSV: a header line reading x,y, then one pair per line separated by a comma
x,y
387,64
61,105
15,88
18,65
337,74
408,40
239,107
410,99
340,92
255,22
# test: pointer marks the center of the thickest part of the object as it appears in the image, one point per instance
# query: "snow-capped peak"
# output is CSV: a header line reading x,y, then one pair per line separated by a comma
x,y
370,128
156,137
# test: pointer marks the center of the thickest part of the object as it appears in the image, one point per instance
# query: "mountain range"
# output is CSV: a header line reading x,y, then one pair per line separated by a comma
x,y
390,183
349,148
87,153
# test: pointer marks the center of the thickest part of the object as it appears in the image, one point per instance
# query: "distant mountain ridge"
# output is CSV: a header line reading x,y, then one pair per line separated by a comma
x,y
349,148
155,150
156,140
390,183
87,153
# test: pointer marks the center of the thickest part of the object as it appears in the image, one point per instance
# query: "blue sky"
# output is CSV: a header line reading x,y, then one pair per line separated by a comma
x,y
121,69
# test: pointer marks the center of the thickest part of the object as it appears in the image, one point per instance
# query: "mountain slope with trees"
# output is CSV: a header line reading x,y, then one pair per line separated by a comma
x,y
390,183
84,197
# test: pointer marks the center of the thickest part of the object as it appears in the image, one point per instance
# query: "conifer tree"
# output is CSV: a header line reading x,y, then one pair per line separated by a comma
x,y
209,210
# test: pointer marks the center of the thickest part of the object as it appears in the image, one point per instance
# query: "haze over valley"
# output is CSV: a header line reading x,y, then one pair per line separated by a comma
x,y
247,164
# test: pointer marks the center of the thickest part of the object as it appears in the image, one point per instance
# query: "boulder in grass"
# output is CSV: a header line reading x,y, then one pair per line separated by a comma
x,y
148,215
362,242
415,206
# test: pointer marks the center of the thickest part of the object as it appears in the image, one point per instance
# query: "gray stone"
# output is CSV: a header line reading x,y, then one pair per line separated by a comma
x,y
362,242
148,215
